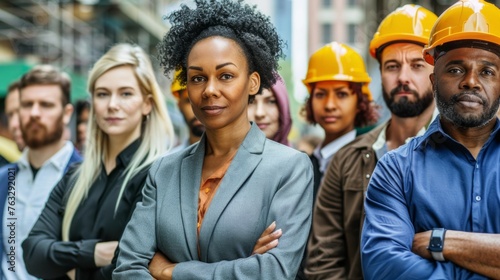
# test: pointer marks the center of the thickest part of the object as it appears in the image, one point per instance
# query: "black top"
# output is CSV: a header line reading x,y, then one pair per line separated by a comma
x,y
3,161
318,175
46,256
34,170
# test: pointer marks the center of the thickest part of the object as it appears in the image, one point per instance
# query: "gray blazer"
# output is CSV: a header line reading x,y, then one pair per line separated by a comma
x,y
265,182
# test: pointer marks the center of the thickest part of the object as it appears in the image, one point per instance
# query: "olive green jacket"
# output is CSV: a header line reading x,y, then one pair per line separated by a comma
x,y
334,243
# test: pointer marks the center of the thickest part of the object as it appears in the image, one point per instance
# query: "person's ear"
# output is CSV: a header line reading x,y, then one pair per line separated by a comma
x,y
147,105
432,77
254,83
68,111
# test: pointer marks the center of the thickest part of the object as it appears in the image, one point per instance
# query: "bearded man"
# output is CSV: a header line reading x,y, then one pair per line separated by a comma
x,y
334,243
44,95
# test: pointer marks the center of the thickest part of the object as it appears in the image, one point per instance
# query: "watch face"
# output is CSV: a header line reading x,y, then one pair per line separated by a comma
x,y
435,244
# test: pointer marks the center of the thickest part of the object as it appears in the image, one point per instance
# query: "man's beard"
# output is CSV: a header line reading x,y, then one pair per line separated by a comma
x,y
446,109
405,108
196,130
41,136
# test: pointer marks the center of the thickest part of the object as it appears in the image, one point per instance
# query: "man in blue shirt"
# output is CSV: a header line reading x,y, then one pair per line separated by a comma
x,y
432,205
44,111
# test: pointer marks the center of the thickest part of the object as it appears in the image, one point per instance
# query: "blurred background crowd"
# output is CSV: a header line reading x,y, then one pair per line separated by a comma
x,y
73,34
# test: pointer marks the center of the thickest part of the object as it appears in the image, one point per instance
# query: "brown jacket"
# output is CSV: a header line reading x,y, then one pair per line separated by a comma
x,y
334,242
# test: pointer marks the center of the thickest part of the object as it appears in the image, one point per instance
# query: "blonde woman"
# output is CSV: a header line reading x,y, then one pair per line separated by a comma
x,y
78,231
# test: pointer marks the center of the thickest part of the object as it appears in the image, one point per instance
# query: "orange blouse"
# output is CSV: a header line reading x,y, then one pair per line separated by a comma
x,y
208,189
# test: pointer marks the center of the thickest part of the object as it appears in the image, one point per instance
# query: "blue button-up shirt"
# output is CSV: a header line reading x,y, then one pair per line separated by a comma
x,y
431,182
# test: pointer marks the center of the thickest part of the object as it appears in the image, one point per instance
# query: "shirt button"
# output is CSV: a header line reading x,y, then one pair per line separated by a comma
x,y
367,155
478,198
367,176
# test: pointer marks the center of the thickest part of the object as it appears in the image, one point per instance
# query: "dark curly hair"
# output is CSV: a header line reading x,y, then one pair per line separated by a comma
x,y
368,111
250,29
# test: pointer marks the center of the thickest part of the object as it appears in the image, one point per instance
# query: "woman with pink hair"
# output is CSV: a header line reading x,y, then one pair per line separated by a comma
x,y
271,112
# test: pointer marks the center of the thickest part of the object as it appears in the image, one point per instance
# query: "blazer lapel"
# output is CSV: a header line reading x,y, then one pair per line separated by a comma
x,y
189,187
245,161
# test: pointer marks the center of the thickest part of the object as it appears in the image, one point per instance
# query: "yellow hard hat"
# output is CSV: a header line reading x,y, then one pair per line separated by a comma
x,y
176,85
410,23
336,62
465,20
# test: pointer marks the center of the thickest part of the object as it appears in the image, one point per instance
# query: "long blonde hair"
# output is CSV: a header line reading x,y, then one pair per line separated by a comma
x,y
157,133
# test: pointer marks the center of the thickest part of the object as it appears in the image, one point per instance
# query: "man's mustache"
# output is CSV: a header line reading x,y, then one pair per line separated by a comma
x,y
401,88
34,122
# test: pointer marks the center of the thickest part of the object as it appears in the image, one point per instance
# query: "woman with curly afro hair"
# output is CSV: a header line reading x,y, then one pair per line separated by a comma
x,y
235,205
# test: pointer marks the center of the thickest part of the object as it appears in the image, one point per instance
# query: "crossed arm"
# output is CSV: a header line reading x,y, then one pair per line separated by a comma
x,y
162,268
46,256
296,189
391,249
477,252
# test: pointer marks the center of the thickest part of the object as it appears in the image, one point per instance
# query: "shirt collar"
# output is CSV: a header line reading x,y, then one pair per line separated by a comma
x,y
380,145
59,160
436,128
324,154
334,146
125,156
496,129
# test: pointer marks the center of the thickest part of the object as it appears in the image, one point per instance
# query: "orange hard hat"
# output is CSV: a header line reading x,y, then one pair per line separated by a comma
x,y
337,62
409,23
176,85
475,20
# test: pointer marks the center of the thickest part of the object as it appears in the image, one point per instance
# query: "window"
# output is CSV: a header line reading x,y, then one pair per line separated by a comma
x,y
326,33
351,33
327,3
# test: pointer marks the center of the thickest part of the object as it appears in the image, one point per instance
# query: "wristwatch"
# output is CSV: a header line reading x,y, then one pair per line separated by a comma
x,y
436,244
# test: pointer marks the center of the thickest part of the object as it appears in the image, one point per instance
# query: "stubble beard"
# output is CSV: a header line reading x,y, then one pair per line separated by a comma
x,y
447,110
